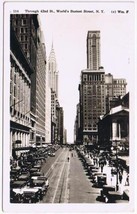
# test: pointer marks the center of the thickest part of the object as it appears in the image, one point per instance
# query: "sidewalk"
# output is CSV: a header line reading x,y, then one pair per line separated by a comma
x,y
112,179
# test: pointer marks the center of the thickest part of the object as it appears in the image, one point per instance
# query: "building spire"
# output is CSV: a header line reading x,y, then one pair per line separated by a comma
x,y
52,45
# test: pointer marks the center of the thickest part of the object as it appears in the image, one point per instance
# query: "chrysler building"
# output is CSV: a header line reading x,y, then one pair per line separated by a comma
x,y
53,73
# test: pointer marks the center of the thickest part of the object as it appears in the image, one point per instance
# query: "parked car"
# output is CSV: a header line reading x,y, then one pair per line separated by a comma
x,y
40,184
31,195
52,154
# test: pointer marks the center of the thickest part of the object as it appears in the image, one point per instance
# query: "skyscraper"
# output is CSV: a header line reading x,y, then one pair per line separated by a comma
x,y
92,102
93,50
53,83
53,73
91,91
97,92
27,30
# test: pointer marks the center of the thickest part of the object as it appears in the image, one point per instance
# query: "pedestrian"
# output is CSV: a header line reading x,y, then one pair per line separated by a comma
x,y
120,178
68,159
47,183
127,180
101,167
71,154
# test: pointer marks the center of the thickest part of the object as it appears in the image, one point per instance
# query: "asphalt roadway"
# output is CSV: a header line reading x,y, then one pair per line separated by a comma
x,y
68,182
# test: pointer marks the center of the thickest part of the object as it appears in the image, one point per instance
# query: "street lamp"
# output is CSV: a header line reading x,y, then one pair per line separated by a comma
x,y
115,146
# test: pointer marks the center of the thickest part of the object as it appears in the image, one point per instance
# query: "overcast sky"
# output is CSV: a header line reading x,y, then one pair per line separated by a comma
x,y
68,31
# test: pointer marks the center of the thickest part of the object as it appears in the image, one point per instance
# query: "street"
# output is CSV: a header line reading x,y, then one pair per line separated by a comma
x,y
68,182
63,174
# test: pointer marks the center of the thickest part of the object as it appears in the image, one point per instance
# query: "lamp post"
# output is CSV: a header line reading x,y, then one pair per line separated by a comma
x,y
115,146
117,186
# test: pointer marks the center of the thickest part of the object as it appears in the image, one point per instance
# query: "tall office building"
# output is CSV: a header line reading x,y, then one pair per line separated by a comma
x,y
92,89
53,83
28,32
47,110
92,102
53,73
23,52
96,92
40,87
93,50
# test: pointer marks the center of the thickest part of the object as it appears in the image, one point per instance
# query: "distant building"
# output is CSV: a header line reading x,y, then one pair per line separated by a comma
x,y
54,103
56,110
93,50
119,87
115,88
60,125
98,93
65,137
53,72
92,102
78,126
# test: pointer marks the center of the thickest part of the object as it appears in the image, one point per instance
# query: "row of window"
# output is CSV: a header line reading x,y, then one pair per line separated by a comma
x,y
119,86
20,22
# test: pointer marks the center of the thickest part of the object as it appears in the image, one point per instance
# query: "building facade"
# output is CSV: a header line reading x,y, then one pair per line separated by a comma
x,y
31,54
98,93
114,126
22,67
47,110
53,72
53,83
92,103
93,50
115,88
60,125
40,89
77,125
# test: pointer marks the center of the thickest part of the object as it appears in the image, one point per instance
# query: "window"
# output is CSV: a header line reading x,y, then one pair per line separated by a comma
x,y
21,30
24,22
26,46
15,78
14,91
21,38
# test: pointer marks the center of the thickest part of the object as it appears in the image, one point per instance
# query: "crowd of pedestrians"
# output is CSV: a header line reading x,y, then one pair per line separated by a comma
x,y
105,159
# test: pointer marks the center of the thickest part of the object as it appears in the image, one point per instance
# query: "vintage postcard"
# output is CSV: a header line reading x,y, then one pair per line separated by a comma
x,y
68,106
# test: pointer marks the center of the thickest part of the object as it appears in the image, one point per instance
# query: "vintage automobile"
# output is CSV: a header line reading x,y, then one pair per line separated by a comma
x,y
24,177
25,195
104,193
14,173
36,173
41,185
52,154
16,191
31,195
95,174
16,195
34,169
18,184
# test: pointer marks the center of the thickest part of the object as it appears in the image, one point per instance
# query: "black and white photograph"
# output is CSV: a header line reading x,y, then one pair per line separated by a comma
x,y
68,106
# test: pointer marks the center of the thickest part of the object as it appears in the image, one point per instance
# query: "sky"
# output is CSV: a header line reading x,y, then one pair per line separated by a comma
x,y
68,32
